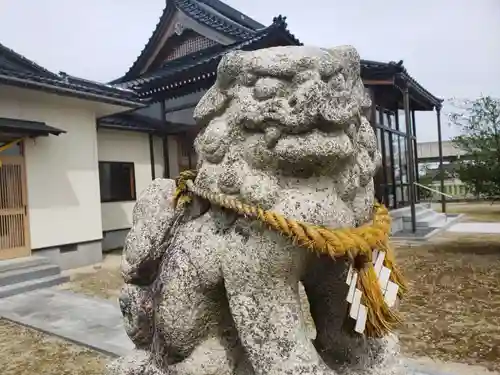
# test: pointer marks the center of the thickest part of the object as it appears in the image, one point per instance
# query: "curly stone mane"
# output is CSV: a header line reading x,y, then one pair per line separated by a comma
x,y
290,119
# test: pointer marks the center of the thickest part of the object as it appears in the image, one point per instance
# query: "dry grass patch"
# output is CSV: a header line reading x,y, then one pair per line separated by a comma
x,y
24,351
452,312
102,281
474,211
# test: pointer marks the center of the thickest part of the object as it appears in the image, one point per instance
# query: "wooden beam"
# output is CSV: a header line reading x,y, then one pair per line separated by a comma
x,y
375,82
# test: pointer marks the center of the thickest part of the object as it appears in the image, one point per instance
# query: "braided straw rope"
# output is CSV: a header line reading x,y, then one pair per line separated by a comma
x,y
355,244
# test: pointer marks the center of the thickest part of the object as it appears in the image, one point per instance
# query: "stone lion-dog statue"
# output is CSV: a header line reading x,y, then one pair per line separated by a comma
x,y
212,292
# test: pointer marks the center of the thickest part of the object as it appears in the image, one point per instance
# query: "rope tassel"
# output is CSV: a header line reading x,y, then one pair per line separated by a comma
x,y
374,280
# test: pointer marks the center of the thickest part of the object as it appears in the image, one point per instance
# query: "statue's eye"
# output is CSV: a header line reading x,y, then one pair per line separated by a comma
x,y
267,88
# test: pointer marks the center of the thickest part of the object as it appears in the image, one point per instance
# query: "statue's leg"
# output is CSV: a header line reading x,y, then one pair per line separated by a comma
x,y
136,305
261,275
193,331
326,290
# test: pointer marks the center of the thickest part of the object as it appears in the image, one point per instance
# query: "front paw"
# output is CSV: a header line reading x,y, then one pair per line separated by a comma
x,y
136,305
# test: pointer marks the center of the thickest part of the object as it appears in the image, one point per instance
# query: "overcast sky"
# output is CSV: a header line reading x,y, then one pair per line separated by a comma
x,y
452,47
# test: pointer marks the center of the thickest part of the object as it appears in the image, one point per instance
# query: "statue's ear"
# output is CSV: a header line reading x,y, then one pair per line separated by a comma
x,y
230,66
212,104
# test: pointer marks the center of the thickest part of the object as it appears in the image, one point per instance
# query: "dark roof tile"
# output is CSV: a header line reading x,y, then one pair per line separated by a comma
x,y
202,65
222,18
30,128
22,63
131,121
71,86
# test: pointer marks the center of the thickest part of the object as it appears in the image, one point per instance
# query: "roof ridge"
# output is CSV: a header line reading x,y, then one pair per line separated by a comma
x,y
57,83
88,82
24,60
145,84
279,22
199,14
155,34
233,14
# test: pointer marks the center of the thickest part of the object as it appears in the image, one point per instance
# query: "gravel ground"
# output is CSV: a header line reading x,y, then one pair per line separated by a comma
x,y
24,351
452,319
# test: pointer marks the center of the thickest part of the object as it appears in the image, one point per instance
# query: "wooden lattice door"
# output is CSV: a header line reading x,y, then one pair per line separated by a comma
x,y
13,208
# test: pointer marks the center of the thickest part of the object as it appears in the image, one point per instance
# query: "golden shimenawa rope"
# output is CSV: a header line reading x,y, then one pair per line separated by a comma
x,y
356,244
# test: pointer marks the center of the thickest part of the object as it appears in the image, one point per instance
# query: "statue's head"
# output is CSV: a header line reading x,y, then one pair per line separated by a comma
x,y
285,117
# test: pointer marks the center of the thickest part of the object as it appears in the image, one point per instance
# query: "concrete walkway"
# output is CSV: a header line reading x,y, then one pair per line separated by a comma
x,y
476,227
92,322
83,320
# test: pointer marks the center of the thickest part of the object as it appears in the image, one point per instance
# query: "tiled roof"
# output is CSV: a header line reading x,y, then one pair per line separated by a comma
x,y
135,122
131,121
22,63
376,70
233,14
198,69
34,128
17,70
212,19
71,87
212,13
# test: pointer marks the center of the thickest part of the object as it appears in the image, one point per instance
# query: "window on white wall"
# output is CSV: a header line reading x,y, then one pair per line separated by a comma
x,y
117,181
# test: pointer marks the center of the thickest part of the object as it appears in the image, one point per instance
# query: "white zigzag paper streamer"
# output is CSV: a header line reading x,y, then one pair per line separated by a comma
x,y
358,311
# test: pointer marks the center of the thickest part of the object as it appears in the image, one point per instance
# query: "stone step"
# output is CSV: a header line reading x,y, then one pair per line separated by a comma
x,y
27,286
420,215
428,221
28,273
424,221
20,263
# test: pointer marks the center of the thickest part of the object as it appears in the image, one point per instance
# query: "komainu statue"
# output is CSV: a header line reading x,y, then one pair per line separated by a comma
x,y
283,197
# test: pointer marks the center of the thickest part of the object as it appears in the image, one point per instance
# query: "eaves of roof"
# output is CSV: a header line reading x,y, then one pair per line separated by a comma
x,y
375,70
227,26
71,86
197,67
25,62
233,14
211,19
131,122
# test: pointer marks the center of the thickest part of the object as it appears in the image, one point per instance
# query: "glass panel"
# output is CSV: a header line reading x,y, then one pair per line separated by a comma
x,y
404,166
399,196
390,120
397,164
391,203
379,139
402,123
14,150
406,196
117,181
415,161
380,116
388,162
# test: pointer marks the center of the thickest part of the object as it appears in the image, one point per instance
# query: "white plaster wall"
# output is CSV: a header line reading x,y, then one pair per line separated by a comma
x,y
173,156
125,146
158,152
62,171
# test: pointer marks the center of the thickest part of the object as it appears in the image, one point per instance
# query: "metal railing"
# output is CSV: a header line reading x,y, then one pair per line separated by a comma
x,y
430,199
433,190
